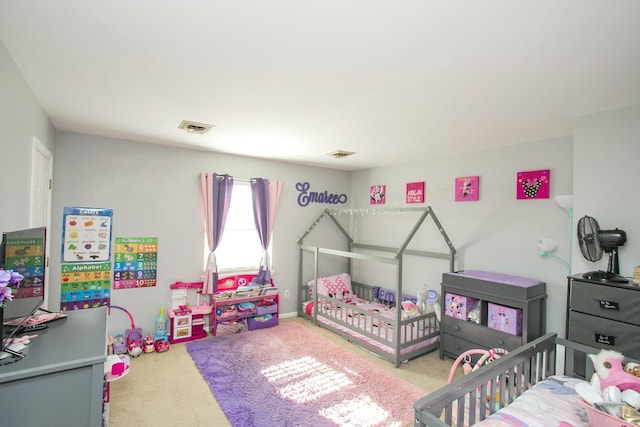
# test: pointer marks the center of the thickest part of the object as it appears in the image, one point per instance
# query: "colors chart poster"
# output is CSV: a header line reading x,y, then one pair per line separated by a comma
x,y
86,234
85,275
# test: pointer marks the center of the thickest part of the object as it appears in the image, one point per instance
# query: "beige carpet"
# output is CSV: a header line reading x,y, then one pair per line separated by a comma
x,y
166,389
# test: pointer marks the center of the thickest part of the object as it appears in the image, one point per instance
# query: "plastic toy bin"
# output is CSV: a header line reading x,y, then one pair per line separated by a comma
x,y
254,323
601,419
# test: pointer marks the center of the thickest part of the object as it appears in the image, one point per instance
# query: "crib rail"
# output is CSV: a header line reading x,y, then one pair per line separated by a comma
x,y
473,397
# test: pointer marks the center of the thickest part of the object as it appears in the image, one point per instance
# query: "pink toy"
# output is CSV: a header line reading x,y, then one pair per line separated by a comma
x,y
608,366
149,345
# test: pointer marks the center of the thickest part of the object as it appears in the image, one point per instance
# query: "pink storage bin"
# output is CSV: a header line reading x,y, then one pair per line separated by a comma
x,y
504,319
601,419
458,306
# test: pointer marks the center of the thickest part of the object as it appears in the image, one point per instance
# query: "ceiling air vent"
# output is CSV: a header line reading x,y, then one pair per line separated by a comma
x,y
195,127
340,154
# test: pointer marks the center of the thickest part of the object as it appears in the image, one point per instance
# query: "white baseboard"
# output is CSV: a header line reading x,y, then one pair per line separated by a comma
x,y
285,315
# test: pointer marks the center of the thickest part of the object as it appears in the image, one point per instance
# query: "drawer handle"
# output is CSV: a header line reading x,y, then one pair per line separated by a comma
x,y
609,305
501,342
457,347
457,328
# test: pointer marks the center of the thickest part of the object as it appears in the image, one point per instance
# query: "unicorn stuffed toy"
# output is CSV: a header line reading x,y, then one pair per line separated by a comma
x,y
429,301
608,367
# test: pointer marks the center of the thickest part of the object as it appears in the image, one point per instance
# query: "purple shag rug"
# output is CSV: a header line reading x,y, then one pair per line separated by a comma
x,y
289,375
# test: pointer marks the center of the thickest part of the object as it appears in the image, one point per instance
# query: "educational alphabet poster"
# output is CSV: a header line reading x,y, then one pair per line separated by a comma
x,y
85,280
85,285
135,262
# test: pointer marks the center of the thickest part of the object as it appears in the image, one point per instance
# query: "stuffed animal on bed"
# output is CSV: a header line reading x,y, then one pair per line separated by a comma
x,y
610,383
429,301
608,366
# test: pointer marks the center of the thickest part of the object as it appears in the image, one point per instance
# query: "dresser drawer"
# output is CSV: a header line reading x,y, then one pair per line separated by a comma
x,y
455,346
604,301
472,332
611,335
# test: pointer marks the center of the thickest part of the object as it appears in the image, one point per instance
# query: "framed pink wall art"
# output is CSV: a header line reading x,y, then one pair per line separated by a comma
x,y
467,188
533,184
415,192
377,194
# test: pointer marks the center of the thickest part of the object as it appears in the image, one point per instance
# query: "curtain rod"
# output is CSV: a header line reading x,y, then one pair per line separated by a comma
x,y
250,180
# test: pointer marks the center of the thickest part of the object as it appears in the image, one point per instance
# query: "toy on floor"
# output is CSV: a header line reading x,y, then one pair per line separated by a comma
x,y
119,344
133,336
134,341
161,335
149,346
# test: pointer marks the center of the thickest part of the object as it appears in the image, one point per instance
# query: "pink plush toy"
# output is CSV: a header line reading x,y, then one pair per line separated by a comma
x,y
608,366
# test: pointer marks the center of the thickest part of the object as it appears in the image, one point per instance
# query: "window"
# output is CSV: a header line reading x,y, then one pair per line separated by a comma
x,y
240,247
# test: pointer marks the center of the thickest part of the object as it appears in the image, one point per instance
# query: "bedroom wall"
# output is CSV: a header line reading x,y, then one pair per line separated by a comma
x,y
21,118
155,191
606,155
598,165
498,232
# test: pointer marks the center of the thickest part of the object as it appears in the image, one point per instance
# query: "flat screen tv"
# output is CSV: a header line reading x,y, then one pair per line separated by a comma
x,y
23,251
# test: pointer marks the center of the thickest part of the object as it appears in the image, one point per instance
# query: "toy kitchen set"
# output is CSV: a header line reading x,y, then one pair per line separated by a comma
x,y
187,321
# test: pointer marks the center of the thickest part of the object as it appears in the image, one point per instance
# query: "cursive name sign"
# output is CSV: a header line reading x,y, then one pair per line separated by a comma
x,y
305,197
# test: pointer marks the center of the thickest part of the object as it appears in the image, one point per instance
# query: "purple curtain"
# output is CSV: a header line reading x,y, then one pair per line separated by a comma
x,y
266,198
216,197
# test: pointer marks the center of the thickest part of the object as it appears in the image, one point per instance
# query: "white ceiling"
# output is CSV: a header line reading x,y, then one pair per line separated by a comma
x,y
394,81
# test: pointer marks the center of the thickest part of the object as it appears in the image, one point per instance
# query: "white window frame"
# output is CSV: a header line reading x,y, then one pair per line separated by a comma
x,y
246,256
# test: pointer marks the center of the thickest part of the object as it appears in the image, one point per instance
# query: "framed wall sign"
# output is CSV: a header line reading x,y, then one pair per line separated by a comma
x,y
377,194
467,189
533,184
415,192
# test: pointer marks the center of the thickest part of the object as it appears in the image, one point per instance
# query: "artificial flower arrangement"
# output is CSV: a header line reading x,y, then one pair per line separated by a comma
x,y
8,277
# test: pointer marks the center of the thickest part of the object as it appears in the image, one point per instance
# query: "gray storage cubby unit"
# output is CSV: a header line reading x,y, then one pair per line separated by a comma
x,y
604,315
528,295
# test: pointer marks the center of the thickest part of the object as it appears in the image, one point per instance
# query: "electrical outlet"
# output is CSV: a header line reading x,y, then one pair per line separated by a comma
x,y
286,294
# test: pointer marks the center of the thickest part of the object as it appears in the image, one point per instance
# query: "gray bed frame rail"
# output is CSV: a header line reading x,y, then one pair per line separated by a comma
x,y
396,256
526,365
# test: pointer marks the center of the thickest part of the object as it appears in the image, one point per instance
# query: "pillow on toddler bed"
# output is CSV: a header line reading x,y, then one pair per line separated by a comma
x,y
335,285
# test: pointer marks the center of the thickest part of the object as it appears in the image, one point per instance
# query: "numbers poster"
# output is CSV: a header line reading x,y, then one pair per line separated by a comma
x,y
85,285
25,255
135,262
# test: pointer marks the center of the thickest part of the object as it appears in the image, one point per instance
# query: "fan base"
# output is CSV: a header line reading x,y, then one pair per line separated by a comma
x,y
604,276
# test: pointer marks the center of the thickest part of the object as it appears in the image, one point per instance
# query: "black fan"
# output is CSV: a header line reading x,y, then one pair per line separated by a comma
x,y
593,242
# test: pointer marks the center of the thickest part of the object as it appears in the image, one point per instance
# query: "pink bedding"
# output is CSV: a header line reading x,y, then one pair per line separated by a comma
x,y
550,403
382,329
